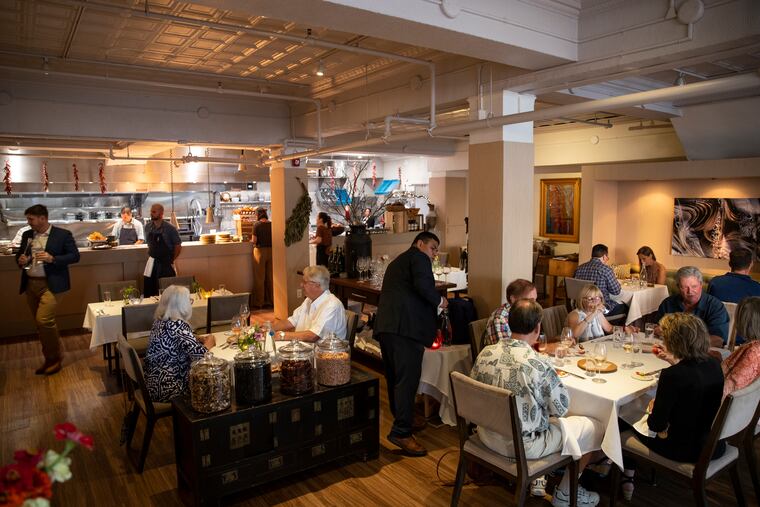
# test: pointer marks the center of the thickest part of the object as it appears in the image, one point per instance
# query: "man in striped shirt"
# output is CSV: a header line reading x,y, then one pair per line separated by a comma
x,y
497,327
600,274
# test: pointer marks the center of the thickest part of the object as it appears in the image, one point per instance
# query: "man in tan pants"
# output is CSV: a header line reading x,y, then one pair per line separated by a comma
x,y
44,257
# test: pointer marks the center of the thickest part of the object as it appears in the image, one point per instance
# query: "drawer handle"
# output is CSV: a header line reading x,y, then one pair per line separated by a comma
x,y
354,295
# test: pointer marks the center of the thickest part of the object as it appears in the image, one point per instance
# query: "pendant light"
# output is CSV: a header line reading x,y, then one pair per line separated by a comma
x,y
209,210
173,215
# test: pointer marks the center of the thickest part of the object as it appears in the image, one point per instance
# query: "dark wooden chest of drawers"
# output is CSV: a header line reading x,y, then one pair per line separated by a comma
x,y
219,454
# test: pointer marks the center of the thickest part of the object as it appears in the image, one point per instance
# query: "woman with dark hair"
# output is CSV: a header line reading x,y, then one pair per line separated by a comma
x,y
323,238
742,367
655,271
262,260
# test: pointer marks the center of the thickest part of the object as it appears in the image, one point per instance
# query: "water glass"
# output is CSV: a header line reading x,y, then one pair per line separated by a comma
x,y
236,327
222,289
541,343
649,330
107,297
636,350
617,336
559,355
591,367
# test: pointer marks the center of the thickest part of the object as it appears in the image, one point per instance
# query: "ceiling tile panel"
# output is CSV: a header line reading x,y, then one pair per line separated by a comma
x,y
180,30
205,44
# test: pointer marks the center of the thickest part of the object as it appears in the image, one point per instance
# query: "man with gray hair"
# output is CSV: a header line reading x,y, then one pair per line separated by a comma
x,y
319,314
691,299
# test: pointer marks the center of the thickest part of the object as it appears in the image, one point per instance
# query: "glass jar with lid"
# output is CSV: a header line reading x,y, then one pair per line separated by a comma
x,y
333,361
296,368
210,384
253,377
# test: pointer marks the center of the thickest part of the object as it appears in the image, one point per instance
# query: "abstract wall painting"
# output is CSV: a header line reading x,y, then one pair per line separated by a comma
x,y
713,227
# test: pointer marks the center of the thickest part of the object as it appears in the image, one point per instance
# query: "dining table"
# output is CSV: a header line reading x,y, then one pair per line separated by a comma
x,y
603,401
434,379
641,301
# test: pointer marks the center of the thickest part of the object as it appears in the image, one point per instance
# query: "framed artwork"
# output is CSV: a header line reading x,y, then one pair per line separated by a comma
x,y
560,209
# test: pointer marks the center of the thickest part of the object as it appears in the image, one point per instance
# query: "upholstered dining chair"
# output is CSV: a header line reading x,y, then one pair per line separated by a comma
x,y
553,321
496,409
477,329
185,281
352,321
737,412
220,310
141,402
731,310
573,287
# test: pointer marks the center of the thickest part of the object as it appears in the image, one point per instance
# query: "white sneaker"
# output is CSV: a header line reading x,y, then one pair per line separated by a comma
x,y
538,487
585,498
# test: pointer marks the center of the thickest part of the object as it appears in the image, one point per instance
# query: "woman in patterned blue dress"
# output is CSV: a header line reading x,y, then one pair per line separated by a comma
x,y
172,346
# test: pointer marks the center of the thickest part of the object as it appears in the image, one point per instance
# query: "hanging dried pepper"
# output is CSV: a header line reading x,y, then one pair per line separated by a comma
x,y
374,175
45,177
7,178
102,178
76,178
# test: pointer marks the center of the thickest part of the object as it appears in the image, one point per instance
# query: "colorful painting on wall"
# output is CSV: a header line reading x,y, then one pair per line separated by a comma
x,y
560,209
712,227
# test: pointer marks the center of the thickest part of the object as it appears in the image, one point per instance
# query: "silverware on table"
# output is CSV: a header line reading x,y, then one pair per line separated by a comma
x,y
571,373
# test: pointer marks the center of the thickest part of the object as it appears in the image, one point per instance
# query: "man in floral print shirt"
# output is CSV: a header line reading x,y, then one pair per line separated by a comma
x,y
542,400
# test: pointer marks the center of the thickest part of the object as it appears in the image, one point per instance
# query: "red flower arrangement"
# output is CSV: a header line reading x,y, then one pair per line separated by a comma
x,y
29,481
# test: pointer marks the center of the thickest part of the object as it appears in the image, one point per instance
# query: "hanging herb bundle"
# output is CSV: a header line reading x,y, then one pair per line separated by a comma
x,y
76,178
7,178
102,178
45,177
296,224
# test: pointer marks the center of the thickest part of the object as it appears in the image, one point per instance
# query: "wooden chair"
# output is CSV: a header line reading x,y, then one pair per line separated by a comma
x,y
222,309
352,321
553,320
495,409
185,281
738,410
115,288
141,402
731,310
477,330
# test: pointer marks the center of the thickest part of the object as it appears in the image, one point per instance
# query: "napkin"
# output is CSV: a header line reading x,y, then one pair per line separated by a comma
x,y
149,267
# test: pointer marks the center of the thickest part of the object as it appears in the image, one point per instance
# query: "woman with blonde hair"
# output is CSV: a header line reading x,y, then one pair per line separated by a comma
x,y
742,367
172,346
587,320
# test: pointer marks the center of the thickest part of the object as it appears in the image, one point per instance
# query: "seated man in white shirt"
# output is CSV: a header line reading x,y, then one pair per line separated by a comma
x,y
319,314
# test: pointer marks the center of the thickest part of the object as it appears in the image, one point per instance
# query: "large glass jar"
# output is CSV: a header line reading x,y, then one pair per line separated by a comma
x,y
296,368
333,361
210,384
253,377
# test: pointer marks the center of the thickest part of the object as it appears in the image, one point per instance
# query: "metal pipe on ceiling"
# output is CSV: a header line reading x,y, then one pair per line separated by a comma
x,y
689,91
308,40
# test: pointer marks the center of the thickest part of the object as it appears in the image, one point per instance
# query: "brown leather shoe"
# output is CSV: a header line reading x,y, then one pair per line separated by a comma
x,y
419,424
53,368
408,445
41,369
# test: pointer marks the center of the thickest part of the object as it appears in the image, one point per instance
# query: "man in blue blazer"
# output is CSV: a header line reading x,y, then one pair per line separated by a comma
x,y
405,325
44,257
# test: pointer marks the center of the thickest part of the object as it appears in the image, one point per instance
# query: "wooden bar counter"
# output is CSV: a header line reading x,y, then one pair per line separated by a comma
x,y
228,263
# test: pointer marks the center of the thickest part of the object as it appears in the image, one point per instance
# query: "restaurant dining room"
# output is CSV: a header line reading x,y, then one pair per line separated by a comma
x,y
394,253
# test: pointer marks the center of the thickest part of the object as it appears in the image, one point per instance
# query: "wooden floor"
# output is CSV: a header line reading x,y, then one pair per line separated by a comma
x,y
86,395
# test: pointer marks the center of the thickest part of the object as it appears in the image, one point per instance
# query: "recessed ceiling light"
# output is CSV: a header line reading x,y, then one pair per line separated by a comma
x,y
320,69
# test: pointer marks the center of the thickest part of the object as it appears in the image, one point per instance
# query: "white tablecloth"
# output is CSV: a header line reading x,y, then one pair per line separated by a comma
x,y
641,301
603,401
457,276
434,381
104,319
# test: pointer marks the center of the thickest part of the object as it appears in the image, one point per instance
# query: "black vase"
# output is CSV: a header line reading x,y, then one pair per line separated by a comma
x,y
358,244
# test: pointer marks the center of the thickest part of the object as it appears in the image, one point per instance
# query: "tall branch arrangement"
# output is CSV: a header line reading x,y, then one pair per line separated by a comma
x,y
348,210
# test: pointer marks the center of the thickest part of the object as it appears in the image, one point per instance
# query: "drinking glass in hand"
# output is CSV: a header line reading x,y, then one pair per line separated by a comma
x,y
600,357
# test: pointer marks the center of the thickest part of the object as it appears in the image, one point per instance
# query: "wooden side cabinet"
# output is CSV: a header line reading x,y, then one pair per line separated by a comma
x,y
220,454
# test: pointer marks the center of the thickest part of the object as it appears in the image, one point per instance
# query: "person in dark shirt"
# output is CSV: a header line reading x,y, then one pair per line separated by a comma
x,y
737,284
262,260
323,238
691,299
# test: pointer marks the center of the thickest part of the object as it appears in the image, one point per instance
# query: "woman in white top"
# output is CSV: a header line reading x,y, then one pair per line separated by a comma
x,y
587,320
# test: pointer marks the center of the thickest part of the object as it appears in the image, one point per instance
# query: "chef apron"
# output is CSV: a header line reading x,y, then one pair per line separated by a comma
x,y
127,236
162,265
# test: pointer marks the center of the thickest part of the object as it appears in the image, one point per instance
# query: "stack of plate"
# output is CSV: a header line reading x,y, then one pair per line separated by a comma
x,y
208,239
224,238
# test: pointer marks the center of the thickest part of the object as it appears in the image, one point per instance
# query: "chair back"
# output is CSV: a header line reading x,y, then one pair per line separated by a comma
x,y
137,320
134,370
477,330
742,409
222,309
573,288
489,407
185,281
553,320
352,320
114,288
731,310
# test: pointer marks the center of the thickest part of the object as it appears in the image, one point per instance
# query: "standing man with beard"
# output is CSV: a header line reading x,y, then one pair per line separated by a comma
x,y
405,325
164,246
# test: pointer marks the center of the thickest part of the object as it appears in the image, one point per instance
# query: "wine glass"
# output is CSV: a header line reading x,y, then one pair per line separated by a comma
x,y
600,356
566,337
245,312
236,327
368,267
628,341
438,271
446,271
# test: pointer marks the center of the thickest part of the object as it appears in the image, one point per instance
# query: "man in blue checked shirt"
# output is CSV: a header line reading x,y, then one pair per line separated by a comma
x,y
600,274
